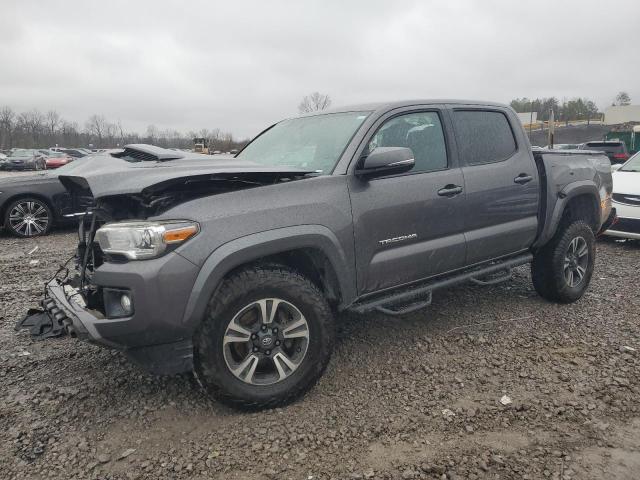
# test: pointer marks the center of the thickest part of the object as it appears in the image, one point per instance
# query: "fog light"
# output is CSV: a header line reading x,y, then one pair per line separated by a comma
x,y
125,302
118,303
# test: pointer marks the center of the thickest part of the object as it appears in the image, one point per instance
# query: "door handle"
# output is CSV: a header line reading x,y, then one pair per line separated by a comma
x,y
450,190
523,178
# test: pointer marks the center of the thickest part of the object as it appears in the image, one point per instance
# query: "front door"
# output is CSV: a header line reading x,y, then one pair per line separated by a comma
x,y
409,226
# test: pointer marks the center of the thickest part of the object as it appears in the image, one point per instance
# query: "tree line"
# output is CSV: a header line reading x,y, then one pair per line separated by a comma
x,y
35,129
574,109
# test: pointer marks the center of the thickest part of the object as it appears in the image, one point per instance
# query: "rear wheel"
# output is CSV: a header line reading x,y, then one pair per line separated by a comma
x,y
28,217
562,269
266,339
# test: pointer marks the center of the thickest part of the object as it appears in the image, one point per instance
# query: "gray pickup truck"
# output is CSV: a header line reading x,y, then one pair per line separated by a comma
x,y
234,268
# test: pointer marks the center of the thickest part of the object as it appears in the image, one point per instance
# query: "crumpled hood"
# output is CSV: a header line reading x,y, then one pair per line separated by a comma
x,y
105,176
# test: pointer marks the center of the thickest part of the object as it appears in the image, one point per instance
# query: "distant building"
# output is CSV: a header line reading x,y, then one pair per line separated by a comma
x,y
528,117
621,114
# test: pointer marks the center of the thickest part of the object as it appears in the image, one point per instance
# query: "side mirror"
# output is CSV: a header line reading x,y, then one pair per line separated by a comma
x,y
385,161
616,166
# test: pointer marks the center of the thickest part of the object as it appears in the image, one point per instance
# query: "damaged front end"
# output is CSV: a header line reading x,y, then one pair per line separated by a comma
x,y
124,262
71,301
110,301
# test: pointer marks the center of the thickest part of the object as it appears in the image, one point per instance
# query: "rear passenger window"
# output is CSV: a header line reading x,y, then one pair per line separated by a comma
x,y
483,136
421,132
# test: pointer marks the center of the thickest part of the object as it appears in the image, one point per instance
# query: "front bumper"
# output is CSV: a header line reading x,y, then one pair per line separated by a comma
x,y
68,312
155,335
625,228
627,224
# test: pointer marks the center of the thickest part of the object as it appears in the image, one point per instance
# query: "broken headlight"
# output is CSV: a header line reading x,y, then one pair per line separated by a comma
x,y
144,240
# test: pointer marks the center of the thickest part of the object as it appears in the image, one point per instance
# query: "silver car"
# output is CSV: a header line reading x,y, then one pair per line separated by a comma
x,y
24,159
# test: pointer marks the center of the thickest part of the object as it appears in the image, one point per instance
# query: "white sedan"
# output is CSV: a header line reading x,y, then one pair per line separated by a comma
x,y
626,199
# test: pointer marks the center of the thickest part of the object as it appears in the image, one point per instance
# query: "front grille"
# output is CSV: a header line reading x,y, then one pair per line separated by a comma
x,y
628,225
627,199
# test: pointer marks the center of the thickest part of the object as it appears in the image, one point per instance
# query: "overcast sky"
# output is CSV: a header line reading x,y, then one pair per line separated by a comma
x,y
241,65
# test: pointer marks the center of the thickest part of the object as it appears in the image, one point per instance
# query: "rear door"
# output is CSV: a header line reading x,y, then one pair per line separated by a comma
x,y
501,182
409,226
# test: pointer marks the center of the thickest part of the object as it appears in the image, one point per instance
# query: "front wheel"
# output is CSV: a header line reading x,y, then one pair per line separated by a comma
x,y
562,269
266,339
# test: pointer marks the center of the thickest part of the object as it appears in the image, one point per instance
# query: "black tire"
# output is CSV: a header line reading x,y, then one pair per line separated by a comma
x,y
42,220
548,270
235,294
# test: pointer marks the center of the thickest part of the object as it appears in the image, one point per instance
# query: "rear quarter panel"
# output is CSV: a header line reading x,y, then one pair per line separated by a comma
x,y
568,174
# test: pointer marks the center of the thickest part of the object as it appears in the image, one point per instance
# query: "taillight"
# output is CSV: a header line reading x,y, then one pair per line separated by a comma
x,y
621,156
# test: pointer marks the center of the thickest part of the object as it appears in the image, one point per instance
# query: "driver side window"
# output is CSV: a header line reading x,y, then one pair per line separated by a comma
x,y
421,132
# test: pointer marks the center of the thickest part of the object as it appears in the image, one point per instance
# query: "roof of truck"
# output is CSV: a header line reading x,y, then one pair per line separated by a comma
x,y
402,103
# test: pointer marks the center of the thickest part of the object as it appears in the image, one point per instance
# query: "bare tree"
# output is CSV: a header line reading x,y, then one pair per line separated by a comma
x,y
152,133
69,131
7,125
53,121
97,127
623,98
314,102
33,123
121,133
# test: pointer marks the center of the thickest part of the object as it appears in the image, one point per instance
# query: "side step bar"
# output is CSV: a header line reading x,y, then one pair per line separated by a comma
x,y
410,299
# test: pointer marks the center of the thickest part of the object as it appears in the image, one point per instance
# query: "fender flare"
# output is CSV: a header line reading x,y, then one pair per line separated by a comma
x,y
562,199
251,247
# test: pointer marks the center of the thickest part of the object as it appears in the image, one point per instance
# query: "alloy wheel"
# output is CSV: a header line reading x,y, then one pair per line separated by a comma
x,y
29,218
576,261
266,341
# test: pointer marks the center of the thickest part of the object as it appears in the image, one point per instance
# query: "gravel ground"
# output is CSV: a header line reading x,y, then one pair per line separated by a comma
x,y
417,397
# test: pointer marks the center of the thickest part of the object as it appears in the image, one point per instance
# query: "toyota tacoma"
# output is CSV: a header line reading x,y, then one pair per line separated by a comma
x,y
235,268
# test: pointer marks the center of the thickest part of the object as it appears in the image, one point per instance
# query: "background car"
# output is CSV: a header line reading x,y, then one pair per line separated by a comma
x,y
31,204
564,146
626,199
56,159
73,152
24,159
615,150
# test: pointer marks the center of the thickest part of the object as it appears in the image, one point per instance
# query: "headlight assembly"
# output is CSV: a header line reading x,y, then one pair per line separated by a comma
x,y
144,240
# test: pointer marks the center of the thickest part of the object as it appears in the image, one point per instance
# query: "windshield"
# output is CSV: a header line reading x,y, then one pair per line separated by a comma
x,y
310,143
633,165
22,153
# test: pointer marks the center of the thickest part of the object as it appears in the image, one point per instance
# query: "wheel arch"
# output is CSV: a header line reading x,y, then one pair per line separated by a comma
x,y
312,250
583,206
579,200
